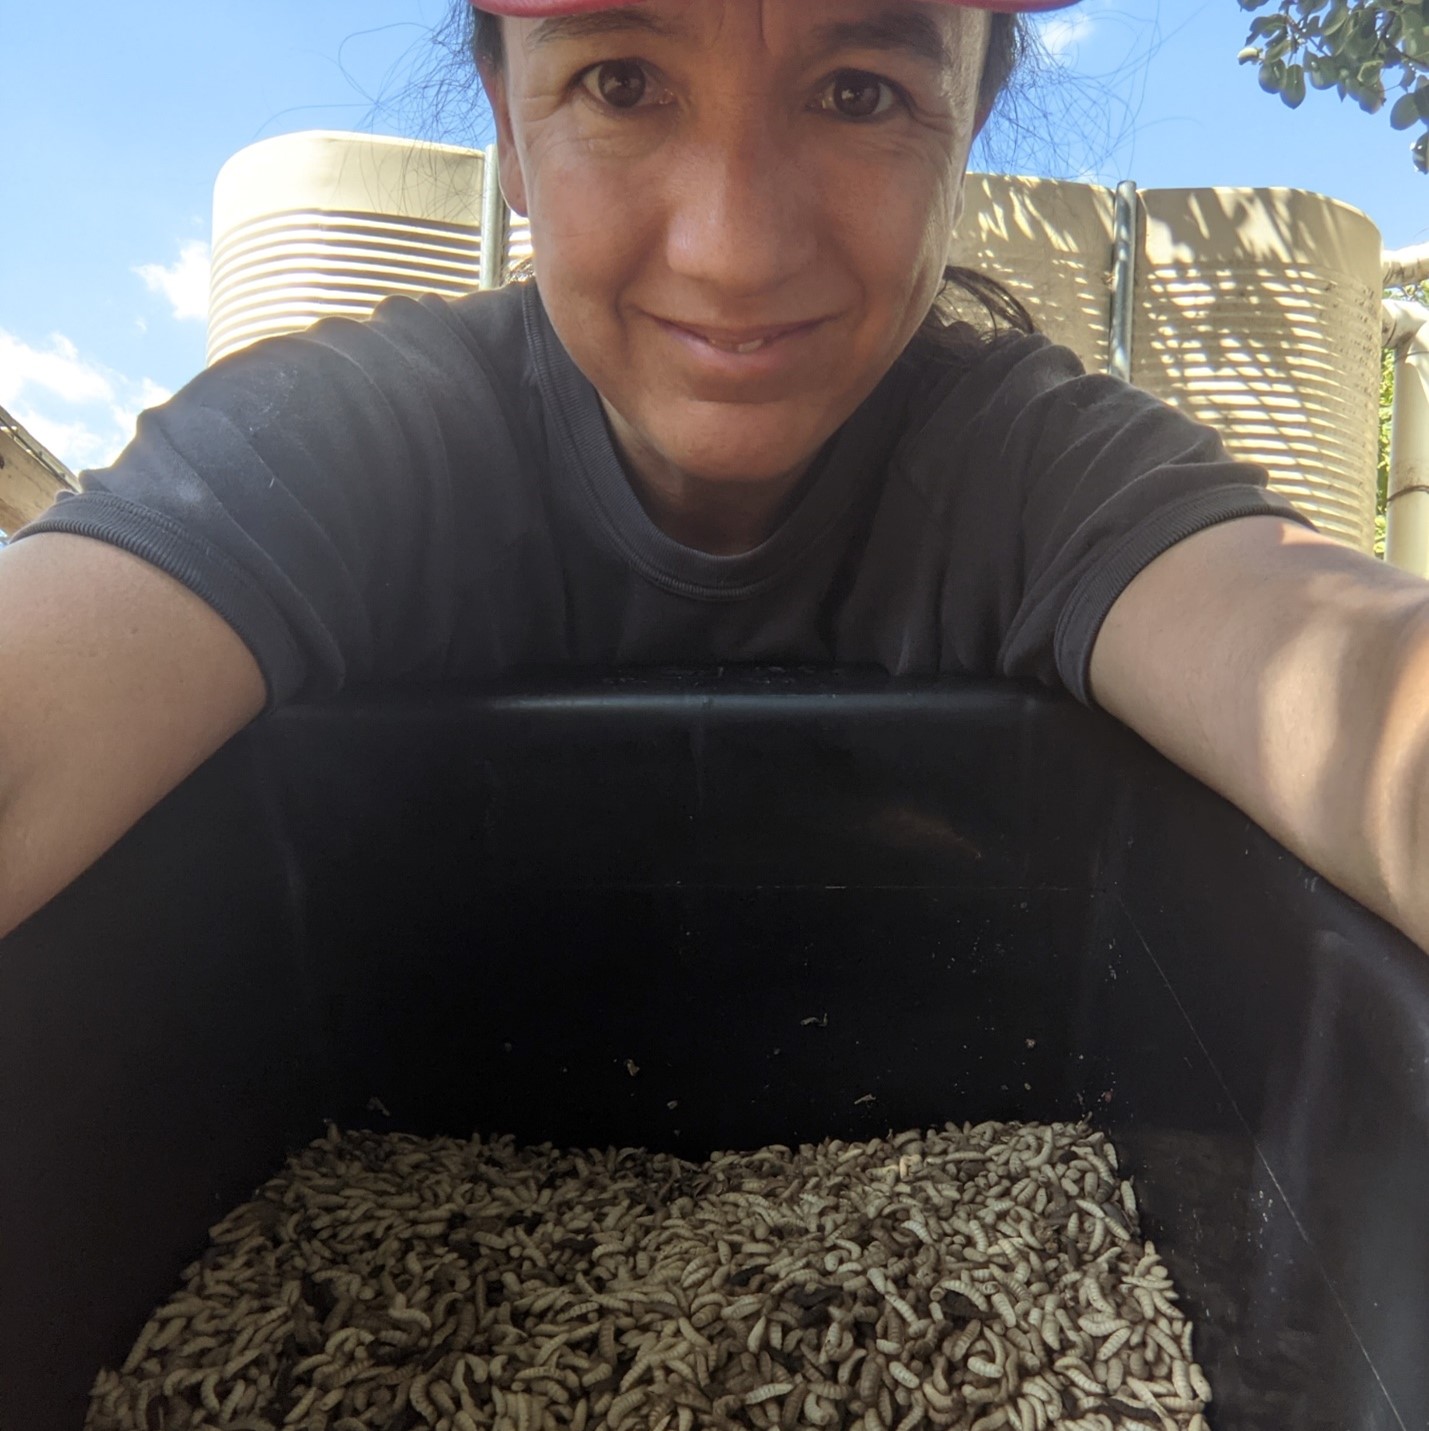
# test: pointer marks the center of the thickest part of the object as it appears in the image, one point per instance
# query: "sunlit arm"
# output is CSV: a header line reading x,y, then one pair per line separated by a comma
x,y
1291,675
115,682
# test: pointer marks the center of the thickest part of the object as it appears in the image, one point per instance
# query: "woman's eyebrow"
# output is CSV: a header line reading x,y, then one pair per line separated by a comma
x,y
598,22
909,30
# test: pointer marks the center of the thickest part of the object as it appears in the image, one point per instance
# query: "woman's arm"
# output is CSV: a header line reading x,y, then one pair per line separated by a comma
x,y
1290,674
115,683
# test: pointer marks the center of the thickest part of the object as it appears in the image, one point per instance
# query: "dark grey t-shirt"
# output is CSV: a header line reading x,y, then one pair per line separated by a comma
x,y
433,494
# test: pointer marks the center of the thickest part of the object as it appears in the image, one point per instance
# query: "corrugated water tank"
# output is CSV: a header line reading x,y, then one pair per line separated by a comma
x,y
1258,311
1049,243
319,223
1255,310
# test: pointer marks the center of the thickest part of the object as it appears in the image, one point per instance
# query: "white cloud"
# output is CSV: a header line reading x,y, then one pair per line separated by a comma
x,y
57,368
184,282
1063,33
82,411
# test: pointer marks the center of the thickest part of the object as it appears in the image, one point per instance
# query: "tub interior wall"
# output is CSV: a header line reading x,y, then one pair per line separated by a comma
x,y
1312,1019
456,916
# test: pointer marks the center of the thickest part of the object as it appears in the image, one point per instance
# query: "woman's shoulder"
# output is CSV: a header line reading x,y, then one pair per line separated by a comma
x,y
961,362
435,335
984,385
459,363
1025,410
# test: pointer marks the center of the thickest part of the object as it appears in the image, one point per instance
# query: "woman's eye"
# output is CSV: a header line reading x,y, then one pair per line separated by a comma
x,y
855,94
620,84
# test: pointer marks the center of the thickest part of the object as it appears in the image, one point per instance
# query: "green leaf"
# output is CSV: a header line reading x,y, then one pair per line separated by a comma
x,y
1405,112
1334,22
1375,52
1272,76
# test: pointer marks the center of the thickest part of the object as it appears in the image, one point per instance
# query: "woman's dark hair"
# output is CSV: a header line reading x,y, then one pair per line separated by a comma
x,y
1005,50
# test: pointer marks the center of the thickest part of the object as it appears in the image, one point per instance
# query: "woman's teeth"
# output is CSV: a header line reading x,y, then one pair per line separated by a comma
x,y
749,347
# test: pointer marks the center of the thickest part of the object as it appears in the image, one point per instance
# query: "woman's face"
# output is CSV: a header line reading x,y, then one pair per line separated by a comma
x,y
740,208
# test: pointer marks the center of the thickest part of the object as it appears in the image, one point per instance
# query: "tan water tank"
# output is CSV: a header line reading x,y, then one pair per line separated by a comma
x,y
1049,243
311,224
1256,311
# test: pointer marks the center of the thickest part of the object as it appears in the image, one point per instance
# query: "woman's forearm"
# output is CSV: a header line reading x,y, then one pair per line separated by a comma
x,y
1391,725
1290,674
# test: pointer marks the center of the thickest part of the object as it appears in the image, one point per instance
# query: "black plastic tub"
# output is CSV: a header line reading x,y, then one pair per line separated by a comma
x,y
477,909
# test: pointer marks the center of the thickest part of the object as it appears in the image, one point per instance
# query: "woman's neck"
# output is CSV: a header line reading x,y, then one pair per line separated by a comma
x,y
721,518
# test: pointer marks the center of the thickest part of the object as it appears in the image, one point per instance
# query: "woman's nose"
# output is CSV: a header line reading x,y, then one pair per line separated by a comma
x,y
741,210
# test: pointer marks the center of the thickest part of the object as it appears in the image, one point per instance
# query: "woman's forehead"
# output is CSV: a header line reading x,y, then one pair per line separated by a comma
x,y
933,32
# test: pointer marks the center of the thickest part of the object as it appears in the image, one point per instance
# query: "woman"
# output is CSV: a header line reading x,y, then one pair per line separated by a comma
x,y
721,427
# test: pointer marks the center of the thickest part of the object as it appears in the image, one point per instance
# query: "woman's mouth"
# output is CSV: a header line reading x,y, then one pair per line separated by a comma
x,y
740,340
769,352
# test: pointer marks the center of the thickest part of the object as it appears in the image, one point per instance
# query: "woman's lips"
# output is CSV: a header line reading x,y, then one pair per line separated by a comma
x,y
763,349
740,340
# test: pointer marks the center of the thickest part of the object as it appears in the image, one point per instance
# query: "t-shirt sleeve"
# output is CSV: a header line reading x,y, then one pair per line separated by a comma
x,y
1086,480
303,489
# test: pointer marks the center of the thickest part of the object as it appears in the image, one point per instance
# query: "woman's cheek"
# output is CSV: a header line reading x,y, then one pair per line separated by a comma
x,y
890,193
588,217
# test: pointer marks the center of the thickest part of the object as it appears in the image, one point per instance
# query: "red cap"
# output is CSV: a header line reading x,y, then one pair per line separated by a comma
x,y
534,8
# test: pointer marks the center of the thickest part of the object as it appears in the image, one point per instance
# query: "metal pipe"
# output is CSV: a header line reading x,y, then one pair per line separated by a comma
x,y
1406,543
1123,281
495,223
1403,266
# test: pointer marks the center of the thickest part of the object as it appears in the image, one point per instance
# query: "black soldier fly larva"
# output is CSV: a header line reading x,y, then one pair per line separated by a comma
x,y
974,1277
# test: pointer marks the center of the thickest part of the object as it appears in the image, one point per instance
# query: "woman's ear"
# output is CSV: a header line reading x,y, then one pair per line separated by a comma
x,y
513,182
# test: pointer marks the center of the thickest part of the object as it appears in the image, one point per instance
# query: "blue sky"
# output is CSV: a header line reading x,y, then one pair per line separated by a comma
x,y
117,119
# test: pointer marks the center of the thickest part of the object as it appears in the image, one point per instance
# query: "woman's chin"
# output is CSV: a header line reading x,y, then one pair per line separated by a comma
x,y
745,451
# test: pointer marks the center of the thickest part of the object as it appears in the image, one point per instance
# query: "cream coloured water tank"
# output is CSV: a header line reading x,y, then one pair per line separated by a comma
x,y
1049,243
317,223
1256,311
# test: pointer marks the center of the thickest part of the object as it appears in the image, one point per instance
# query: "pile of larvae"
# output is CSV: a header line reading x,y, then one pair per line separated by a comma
x,y
974,1277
